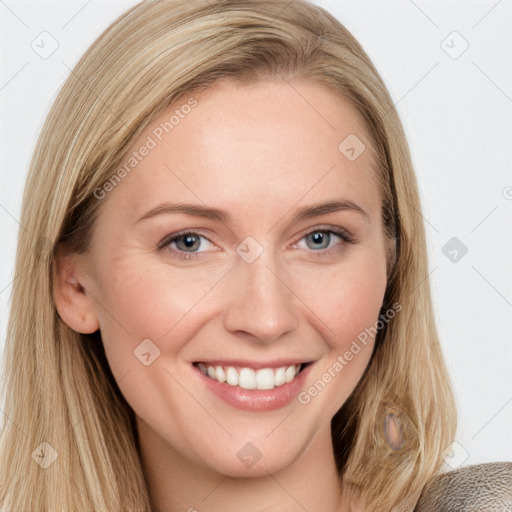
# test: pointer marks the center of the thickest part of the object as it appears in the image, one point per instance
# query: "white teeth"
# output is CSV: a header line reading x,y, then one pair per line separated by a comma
x,y
279,378
220,374
289,374
265,378
232,376
247,378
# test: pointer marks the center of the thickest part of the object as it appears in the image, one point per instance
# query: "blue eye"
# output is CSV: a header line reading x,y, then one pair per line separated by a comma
x,y
319,240
190,244
185,244
319,237
188,241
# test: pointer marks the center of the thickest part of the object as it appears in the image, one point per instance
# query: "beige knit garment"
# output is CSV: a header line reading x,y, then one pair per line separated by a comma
x,y
479,488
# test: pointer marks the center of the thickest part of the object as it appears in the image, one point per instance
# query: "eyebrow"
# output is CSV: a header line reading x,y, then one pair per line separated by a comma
x,y
218,214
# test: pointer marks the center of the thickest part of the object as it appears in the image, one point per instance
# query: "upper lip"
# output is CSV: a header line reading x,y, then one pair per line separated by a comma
x,y
275,363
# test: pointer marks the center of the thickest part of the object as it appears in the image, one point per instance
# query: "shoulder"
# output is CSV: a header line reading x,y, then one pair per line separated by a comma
x,y
483,487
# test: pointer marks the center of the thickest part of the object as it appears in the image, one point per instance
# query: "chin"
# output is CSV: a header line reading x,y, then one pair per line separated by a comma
x,y
257,456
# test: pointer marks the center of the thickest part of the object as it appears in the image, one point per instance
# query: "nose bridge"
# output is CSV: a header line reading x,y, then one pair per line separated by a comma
x,y
261,304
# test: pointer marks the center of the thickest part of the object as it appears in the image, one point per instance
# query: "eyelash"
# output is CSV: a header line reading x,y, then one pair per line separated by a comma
x,y
342,233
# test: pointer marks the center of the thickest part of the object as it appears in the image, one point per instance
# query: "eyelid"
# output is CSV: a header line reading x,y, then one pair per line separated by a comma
x,y
167,239
343,233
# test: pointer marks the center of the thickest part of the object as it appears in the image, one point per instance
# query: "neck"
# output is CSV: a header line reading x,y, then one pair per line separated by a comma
x,y
176,484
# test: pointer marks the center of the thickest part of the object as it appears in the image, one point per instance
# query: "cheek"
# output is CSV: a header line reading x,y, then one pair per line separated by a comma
x,y
347,304
157,303
346,299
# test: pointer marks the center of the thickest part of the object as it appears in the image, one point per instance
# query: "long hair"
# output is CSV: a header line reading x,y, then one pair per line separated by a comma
x,y
60,396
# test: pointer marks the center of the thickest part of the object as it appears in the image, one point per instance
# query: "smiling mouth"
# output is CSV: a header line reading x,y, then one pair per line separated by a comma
x,y
249,378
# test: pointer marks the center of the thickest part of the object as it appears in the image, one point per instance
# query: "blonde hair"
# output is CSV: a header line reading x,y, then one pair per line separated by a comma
x,y
58,387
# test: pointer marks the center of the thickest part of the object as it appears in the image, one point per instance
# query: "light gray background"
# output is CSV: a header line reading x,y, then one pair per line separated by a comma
x,y
456,111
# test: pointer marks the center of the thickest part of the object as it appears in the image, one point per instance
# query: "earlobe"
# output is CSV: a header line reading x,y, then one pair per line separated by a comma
x,y
74,305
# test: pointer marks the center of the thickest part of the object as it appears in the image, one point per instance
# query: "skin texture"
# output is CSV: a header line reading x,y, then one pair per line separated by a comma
x,y
262,152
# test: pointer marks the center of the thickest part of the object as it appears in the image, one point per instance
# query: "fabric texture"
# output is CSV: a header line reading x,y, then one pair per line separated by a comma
x,y
478,488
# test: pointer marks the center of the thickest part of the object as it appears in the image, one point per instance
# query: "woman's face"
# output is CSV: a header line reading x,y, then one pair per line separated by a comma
x,y
213,252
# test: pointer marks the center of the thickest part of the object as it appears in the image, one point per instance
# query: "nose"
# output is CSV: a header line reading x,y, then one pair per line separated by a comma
x,y
261,302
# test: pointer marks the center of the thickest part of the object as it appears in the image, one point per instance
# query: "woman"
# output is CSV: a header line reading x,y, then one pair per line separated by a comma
x,y
227,306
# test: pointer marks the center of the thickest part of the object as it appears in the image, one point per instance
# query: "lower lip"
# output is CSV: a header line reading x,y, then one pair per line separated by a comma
x,y
256,399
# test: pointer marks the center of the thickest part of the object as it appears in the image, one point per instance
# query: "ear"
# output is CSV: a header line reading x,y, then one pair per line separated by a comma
x,y
74,305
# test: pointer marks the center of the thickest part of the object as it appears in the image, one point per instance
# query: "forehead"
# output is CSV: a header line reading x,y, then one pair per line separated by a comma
x,y
266,145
